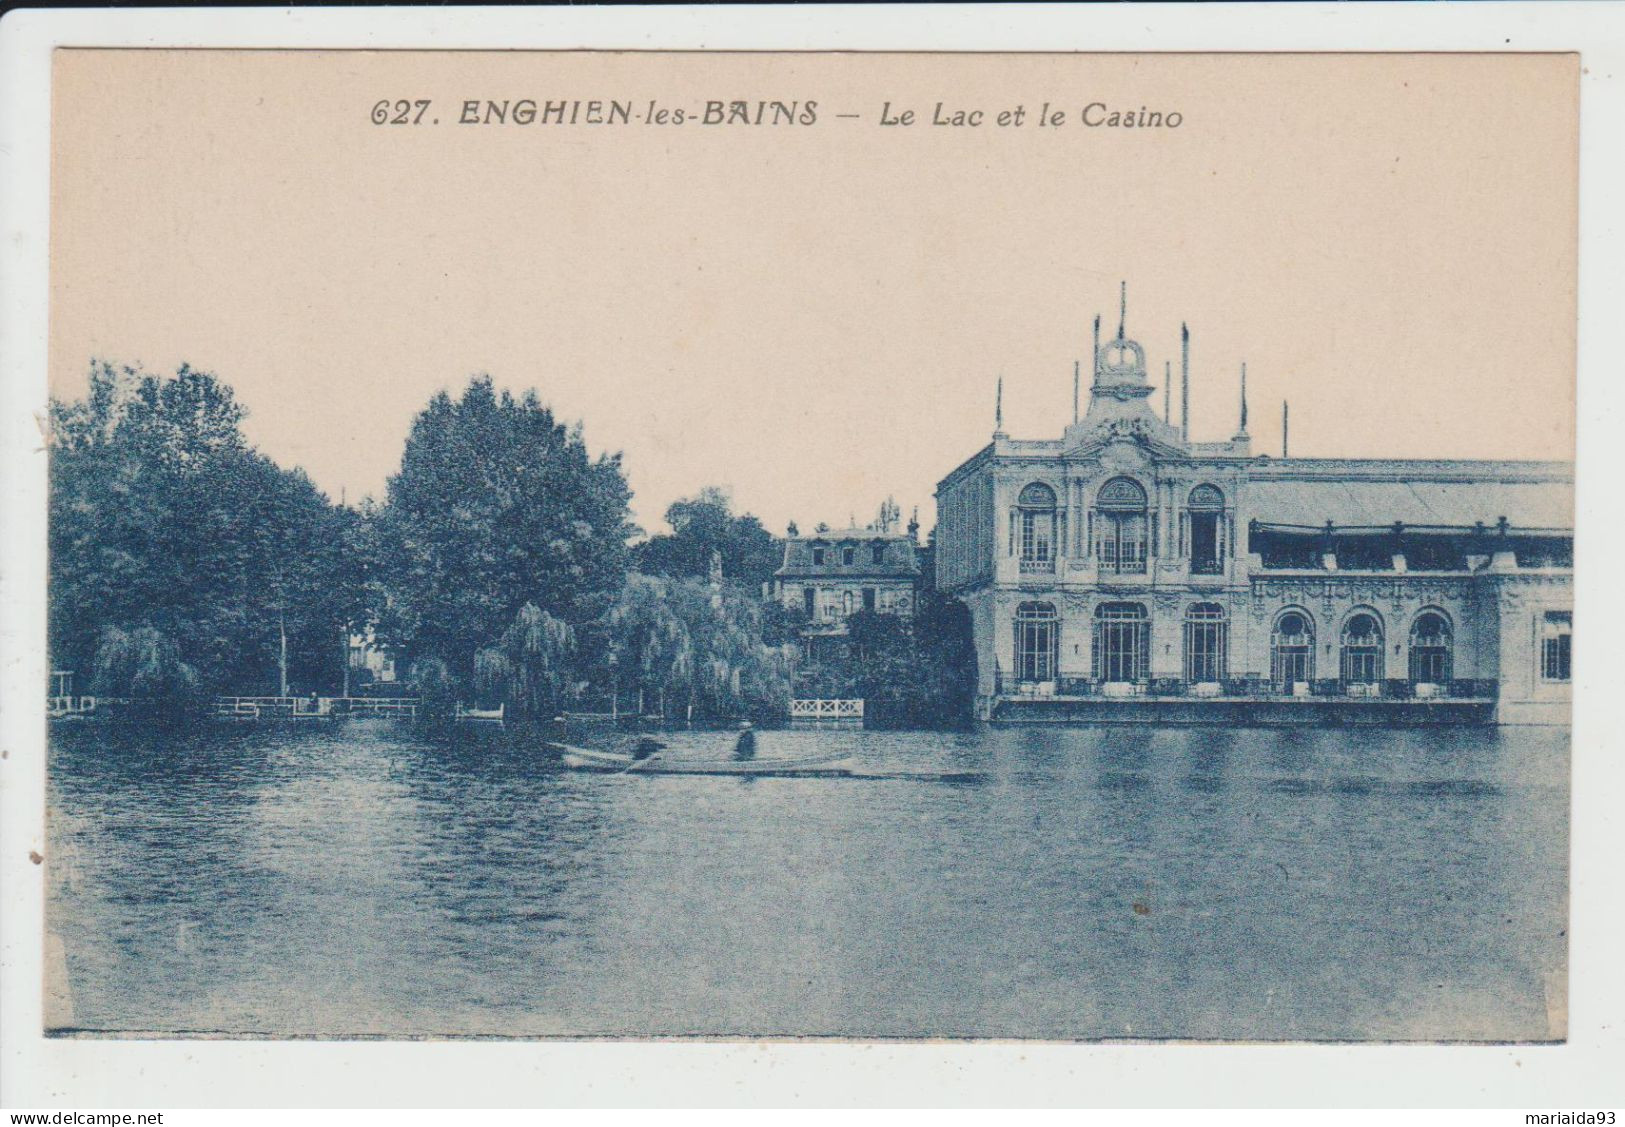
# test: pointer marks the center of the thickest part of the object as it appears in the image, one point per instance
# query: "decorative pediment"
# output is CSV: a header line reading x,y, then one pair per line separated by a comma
x,y
1131,432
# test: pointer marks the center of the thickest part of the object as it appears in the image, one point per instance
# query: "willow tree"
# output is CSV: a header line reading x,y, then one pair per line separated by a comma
x,y
699,649
530,668
142,663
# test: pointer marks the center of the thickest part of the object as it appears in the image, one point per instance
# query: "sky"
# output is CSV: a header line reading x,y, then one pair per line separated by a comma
x,y
815,316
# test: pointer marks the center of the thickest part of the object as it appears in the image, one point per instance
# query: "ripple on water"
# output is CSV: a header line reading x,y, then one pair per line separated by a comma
x,y
1073,883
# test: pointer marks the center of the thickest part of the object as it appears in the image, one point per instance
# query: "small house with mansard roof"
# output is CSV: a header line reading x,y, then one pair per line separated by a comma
x,y
831,574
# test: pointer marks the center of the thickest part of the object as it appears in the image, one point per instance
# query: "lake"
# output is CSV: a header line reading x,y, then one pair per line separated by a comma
x,y
368,880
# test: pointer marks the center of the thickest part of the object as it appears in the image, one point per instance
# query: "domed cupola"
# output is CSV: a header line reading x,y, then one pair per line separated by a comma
x,y
1119,396
1120,364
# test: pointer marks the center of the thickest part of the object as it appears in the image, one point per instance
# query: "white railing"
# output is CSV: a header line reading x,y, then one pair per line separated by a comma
x,y
308,708
57,707
382,706
826,709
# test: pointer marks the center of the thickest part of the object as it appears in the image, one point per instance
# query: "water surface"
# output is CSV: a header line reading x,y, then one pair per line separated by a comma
x,y
1063,883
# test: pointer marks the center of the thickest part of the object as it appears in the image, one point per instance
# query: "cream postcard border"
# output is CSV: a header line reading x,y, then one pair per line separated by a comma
x,y
132,1075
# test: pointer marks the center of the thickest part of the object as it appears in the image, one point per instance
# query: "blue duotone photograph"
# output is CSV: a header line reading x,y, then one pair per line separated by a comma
x,y
861,546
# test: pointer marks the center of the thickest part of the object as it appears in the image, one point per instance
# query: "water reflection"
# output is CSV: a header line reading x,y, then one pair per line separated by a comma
x,y
1038,882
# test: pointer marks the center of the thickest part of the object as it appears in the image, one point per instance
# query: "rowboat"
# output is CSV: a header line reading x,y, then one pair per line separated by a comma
x,y
591,759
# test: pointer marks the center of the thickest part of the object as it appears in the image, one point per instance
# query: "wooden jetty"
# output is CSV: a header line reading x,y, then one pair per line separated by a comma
x,y
315,708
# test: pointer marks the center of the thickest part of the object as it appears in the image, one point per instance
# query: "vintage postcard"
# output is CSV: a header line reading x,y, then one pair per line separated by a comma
x,y
792,544
663,544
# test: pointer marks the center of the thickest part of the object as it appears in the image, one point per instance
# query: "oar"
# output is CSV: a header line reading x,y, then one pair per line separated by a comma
x,y
636,763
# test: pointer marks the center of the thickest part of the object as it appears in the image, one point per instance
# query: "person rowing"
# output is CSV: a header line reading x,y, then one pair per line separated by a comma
x,y
745,745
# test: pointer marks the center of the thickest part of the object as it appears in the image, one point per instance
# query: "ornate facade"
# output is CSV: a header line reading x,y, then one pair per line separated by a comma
x,y
1123,562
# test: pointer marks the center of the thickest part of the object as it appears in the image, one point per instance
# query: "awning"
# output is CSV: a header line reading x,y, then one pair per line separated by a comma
x,y
1537,505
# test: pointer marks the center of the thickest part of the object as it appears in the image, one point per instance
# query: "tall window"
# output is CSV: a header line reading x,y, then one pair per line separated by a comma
x,y
818,557
1430,649
1292,651
1036,517
848,555
1122,649
1120,526
1037,642
1362,650
1206,516
809,600
868,598
1556,644
1206,642
846,603
877,553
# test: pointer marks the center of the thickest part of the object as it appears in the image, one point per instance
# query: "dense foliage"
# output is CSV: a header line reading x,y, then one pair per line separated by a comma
x,y
532,666
184,563
497,506
697,650
180,558
910,674
706,524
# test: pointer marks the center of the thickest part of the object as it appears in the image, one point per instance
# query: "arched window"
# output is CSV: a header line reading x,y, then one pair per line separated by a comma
x,y
1206,643
1430,649
1362,649
1036,527
1205,515
846,602
1292,651
1120,526
1122,643
1038,637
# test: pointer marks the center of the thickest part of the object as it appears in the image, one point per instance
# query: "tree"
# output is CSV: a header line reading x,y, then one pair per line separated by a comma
x,y
918,673
699,650
704,524
946,647
141,663
164,519
530,668
888,516
497,505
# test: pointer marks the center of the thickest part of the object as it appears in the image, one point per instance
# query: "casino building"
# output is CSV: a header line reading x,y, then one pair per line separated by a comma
x,y
1124,572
